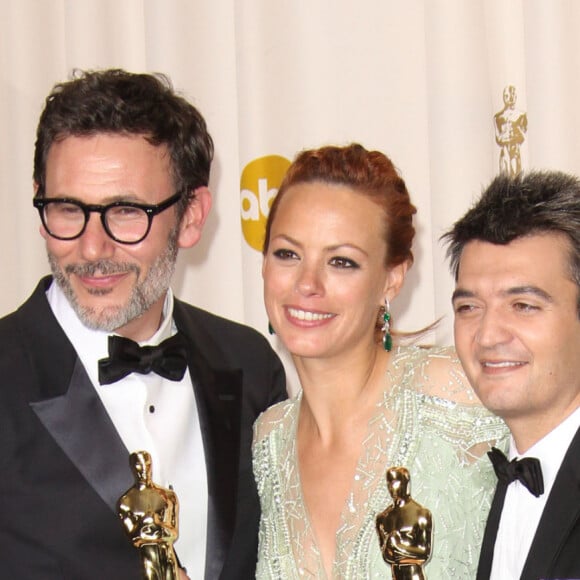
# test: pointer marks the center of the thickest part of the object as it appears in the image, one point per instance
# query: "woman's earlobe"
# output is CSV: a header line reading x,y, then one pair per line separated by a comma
x,y
395,280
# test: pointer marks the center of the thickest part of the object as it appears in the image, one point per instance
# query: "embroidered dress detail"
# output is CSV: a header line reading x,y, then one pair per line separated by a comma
x,y
438,440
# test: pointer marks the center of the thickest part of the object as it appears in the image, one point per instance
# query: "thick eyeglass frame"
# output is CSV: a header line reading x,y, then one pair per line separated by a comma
x,y
150,210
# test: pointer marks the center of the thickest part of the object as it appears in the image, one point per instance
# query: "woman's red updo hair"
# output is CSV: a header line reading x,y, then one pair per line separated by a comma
x,y
370,173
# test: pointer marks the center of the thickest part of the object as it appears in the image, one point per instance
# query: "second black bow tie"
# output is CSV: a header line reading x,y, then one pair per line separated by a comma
x,y
168,359
527,470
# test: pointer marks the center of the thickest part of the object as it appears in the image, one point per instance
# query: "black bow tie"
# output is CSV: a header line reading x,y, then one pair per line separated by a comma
x,y
168,359
527,470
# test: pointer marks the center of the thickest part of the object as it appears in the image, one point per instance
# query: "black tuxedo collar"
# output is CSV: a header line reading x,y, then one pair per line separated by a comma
x,y
52,356
218,391
88,436
62,388
561,513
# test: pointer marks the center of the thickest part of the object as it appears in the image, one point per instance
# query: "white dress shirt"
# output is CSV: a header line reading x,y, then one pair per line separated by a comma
x,y
156,415
522,510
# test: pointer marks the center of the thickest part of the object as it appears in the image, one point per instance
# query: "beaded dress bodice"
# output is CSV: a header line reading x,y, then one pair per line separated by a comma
x,y
417,424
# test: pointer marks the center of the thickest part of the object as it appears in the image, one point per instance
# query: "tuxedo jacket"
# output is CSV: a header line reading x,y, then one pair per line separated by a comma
x,y
555,550
63,465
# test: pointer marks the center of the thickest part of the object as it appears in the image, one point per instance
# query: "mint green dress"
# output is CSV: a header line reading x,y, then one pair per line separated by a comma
x,y
417,424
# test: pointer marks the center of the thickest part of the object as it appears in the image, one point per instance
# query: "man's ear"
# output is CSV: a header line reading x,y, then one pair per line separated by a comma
x,y
194,217
395,280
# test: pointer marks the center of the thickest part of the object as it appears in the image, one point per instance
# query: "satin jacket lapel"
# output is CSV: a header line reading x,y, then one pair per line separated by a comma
x,y
66,403
218,392
80,425
561,512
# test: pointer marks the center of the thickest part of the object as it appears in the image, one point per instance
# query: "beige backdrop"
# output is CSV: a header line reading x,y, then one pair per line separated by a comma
x,y
420,79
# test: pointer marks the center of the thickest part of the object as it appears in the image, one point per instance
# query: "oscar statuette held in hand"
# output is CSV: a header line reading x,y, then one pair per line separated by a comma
x,y
404,529
149,515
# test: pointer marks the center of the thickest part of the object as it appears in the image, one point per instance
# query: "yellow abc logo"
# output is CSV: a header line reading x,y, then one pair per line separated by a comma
x,y
259,184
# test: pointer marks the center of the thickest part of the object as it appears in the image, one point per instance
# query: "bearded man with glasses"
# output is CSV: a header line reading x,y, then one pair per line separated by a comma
x,y
102,360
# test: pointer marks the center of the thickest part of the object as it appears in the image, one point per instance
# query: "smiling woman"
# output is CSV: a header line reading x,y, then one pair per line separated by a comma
x,y
326,274
337,249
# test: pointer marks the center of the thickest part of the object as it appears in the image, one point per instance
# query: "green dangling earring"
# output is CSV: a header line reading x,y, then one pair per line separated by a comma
x,y
386,329
271,329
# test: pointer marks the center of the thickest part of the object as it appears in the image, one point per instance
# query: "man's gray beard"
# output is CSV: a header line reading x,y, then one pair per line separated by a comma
x,y
145,292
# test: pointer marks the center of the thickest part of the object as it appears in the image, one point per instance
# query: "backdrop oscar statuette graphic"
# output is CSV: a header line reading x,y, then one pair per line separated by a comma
x,y
149,514
259,185
405,529
511,126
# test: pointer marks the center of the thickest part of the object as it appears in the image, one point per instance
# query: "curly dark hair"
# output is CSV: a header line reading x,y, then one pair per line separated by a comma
x,y
510,207
119,102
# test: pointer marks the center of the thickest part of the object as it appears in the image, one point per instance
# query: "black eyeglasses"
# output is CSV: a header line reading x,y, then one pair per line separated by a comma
x,y
125,222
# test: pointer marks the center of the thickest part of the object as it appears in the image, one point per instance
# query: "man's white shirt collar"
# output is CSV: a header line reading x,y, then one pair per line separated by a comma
x,y
172,433
551,449
92,345
522,511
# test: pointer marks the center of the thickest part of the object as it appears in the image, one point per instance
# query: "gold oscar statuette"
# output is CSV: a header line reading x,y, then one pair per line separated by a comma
x,y
149,515
404,529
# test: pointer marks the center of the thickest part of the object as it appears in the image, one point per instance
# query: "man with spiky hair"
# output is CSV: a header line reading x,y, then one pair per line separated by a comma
x,y
516,260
